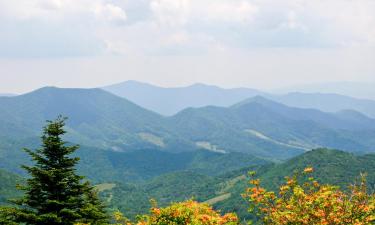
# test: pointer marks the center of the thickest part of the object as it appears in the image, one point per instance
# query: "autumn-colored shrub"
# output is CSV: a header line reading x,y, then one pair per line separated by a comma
x,y
182,213
309,202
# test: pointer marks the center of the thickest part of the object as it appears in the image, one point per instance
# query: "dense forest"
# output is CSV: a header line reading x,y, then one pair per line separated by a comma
x,y
136,159
53,193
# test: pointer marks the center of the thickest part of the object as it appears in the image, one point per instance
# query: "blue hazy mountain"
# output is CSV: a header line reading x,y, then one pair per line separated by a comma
x,y
168,101
256,126
327,102
279,129
6,95
96,118
353,89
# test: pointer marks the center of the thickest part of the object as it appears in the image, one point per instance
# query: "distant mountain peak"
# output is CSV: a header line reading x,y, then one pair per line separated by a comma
x,y
203,85
55,90
7,95
169,101
259,100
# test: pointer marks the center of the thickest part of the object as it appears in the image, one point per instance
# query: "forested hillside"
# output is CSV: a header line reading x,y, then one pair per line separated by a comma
x,y
257,126
8,183
133,155
224,191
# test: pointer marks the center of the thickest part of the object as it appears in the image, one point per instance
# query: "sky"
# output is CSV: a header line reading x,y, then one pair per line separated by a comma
x,y
264,44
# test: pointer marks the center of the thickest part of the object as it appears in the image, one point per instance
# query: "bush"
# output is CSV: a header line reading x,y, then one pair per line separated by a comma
x,y
309,202
186,213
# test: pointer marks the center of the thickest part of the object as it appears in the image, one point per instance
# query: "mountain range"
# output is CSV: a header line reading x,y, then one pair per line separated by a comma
x,y
169,101
327,102
349,88
256,126
203,151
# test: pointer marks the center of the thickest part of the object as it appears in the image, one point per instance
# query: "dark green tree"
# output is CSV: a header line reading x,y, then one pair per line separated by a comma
x,y
54,193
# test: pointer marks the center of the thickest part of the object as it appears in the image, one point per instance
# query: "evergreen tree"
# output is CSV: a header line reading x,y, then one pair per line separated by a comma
x,y
55,194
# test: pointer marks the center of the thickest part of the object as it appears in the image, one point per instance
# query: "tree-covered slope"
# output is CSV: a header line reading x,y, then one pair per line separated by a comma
x,y
258,126
96,118
223,129
264,127
108,166
330,167
8,182
178,186
224,191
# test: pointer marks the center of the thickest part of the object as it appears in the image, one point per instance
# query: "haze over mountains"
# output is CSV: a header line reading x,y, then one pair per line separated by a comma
x,y
169,101
256,126
202,150
327,102
354,89
6,94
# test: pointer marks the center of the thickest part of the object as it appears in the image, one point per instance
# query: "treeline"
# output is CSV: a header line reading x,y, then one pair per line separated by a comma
x,y
55,194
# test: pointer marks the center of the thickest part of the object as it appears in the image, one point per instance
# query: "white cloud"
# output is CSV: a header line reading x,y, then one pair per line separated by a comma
x,y
149,26
110,12
63,10
55,28
229,11
292,22
171,12
182,12
180,37
227,42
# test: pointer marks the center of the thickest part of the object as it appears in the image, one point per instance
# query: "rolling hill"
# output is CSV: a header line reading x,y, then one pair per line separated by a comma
x,y
224,191
330,167
138,165
198,152
256,126
264,127
96,118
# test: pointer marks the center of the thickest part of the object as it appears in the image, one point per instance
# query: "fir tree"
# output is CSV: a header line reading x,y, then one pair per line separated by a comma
x,y
55,194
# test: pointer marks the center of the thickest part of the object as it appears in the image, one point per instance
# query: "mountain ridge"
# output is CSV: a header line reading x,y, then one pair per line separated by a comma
x,y
154,98
261,127
197,95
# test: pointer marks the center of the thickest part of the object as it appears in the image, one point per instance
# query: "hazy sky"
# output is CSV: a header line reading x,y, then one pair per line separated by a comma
x,y
255,43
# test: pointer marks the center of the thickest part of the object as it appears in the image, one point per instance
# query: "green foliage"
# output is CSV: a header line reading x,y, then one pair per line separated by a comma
x,y
303,200
133,199
107,122
8,182
187,213
100,166
331,166
54,194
